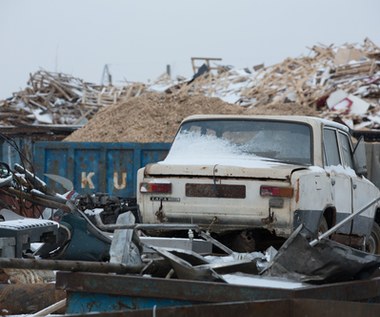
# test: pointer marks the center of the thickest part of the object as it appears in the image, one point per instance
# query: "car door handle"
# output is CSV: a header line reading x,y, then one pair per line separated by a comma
x,y
354,186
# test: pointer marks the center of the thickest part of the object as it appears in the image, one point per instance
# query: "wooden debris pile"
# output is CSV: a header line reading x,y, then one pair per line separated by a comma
x,y
351,72
56,98
304,81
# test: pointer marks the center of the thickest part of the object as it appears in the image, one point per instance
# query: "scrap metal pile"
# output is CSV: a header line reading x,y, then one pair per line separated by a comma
x,y
78,234
80,229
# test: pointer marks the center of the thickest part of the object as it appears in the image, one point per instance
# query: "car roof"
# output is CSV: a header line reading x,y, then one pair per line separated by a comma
x,y
305,119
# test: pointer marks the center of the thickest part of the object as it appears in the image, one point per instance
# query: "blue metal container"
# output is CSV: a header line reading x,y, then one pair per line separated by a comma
x,y
105,293
96,167
10,150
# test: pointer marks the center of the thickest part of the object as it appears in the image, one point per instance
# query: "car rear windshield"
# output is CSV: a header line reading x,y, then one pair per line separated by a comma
x,y
277,140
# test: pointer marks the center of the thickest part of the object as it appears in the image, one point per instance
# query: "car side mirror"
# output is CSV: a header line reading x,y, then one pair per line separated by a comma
x,y
360,158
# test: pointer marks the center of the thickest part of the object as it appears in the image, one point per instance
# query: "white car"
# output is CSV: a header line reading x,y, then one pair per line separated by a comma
x,y
251,180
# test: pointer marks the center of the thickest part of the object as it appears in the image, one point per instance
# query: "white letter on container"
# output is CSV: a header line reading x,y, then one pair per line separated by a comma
x,y
123,180
87,181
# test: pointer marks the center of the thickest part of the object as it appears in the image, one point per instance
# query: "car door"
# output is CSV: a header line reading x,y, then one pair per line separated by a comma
x,y
339,176
363,191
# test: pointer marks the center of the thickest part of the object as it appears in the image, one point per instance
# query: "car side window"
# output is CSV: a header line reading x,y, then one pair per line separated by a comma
x,y
331,150
346,150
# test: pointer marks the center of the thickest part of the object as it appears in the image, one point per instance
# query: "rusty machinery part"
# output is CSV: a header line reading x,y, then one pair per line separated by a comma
x,y
56,249
111,206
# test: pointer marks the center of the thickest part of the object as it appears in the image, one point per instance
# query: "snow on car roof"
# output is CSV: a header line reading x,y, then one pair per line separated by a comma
x,y
304,119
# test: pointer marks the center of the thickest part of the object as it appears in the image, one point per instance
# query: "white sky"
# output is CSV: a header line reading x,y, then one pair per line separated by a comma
x,y
138,38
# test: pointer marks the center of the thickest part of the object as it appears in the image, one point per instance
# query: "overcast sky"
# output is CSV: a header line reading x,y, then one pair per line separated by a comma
x,y
138,38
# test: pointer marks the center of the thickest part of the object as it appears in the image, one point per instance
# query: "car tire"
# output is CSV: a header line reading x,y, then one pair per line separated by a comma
x,y
323,226
373,242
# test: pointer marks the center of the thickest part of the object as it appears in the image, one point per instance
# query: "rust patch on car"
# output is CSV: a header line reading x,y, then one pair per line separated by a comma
x,y
215,191
297,190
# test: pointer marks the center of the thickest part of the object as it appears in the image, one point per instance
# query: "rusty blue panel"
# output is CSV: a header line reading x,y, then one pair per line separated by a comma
x,y
96,167
93,302
57,160
16,150
90,292
149,156
120,172
88,167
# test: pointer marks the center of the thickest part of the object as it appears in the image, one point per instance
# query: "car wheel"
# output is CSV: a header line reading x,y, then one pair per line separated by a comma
x,y
323,226
373,242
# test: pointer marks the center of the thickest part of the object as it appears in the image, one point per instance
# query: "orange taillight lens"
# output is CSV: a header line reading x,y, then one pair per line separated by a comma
x,y
275,191
158,188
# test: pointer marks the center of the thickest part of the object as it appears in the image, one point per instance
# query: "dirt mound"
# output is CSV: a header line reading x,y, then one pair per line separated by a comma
x,y
282,109
151,117
155,117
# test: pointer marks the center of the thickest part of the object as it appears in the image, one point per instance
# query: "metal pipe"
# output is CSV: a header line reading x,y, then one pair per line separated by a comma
x,y
45,202
65,265
34,180
51,309
340,224
141,226
215,242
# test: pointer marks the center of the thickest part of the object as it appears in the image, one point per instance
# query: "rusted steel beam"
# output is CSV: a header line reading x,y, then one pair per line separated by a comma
x,y
158,288
269,308
330,308
46,202
143,226
65,265
27,298
346,291
122,291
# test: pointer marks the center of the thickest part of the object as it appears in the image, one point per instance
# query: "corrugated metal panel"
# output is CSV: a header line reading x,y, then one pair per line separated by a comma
x,y
97,167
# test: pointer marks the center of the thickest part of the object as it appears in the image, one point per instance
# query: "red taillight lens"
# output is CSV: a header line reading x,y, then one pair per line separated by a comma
x,y
160,188
275,191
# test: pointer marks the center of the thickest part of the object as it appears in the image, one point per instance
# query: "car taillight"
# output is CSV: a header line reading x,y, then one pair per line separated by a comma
x,y
275,191
159,188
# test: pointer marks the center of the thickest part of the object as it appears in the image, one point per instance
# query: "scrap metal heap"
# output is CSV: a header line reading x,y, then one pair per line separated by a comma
x,y
66,232
73,237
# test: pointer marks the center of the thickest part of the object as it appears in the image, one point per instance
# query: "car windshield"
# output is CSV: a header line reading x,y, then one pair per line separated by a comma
x,y
244,139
